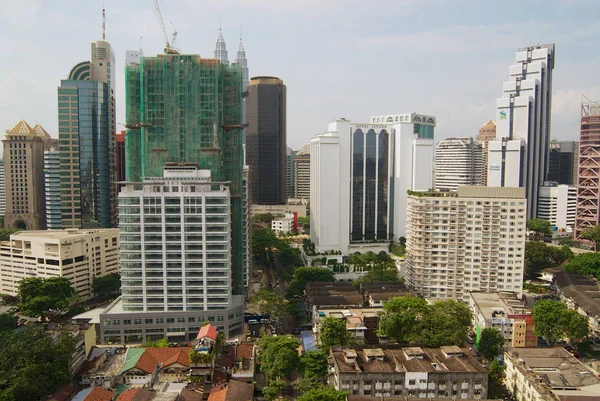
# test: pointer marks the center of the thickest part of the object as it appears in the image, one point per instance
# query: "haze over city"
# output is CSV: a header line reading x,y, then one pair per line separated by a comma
x,y
349,58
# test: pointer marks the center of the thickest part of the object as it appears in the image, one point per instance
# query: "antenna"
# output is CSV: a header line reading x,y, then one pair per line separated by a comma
x,y
103,24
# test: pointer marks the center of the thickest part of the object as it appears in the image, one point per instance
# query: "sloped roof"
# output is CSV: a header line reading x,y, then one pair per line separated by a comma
x,y
218,393
138,394
128,395
99,394
21,128
40,131
170,356
209,331
490,123
146,359
244,350
190,395
239,391
132,357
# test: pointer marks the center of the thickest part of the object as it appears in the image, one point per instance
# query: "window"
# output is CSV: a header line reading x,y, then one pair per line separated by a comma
x,y
149,321
170,320
411,382
127,321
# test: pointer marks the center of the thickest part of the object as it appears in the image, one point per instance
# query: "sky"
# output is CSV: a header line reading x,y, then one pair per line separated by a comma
x,y
338,58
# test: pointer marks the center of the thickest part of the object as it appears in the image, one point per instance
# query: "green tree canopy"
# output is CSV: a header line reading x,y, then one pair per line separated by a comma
x,y
278,356
539,256
32,365
540,226
40,295
324,393
8,321
273,390
333,333
305,275
585,264
268,302
379,274
106,285
7,232
490,342
553,320
413,320
160,343
592,234
314,364
496,375
308,246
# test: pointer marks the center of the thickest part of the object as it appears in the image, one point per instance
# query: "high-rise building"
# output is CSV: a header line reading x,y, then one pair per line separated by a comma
x,y
519,155
458,161
558,204
220,50
289,173
87,129
266,139
2,190
563,162
472,240
186,109
302,173
120,158
588,188
176,255
79,255
24,176
487,132
52,187
242,61
363,172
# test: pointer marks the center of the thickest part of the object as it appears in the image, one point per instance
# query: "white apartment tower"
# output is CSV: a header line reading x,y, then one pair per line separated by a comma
x,y
519,155
558,205
360,175
471,240
458,161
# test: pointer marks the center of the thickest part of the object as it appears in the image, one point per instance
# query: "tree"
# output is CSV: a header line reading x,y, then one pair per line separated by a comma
x,y
32,365
314,364
585,264
7,232
308,246
268,302
278,356
305,275
333,333
490,342
273,389
294,309
8,321
41,295
161,343
540,226
496,387
540,256
378,275
592,234
10,300
106,285
402,317
305,221
553,320
324,393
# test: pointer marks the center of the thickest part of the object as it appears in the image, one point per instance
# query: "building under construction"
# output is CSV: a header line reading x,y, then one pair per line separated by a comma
x,y
588,192
185,109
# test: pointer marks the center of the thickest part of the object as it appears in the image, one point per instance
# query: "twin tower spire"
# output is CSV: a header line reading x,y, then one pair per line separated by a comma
x,y
220,52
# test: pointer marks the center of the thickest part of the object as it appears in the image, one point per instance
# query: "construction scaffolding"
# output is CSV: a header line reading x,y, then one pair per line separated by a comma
x,y
588,188
186,109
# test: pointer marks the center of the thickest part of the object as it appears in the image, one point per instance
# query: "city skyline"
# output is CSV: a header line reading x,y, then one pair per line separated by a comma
x,y
480,42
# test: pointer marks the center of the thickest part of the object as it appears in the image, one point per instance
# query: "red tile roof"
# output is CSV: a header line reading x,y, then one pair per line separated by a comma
x,y
170,356
128,395
218,393
244,350
99,394
209,331
146,363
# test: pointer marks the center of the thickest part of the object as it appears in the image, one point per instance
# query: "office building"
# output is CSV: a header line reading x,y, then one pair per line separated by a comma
x,y
519,155
472,240
507,314
79,255
458,161
363,173
176,257
563,162
395,371
164,92
487,132
302,173
588,187
120,159
52,189
24,176
558,205
2,190
290,180
242,61
86,130
266,139
220,49
548,374
285,225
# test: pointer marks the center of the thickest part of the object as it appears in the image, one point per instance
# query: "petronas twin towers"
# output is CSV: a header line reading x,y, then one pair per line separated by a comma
x,y
220,52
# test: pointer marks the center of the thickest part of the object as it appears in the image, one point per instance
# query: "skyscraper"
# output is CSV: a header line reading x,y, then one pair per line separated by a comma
x,y
266,140
588,188
2,190
120,160
458,161
487,132
24,176
519,155
52,186
289,173
242,61
220,50
563,162
186,109
302,173
360,177
86,130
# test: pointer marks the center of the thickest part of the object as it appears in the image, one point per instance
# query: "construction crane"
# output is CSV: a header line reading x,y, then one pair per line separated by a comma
x,y
169,47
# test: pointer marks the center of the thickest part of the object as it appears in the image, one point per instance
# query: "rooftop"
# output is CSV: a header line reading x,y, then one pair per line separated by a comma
x,y
61,234
493,304
583,290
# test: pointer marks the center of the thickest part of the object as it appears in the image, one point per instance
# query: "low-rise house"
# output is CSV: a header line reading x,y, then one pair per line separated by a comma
x,y
102,367
393,371
549,374
243,368
95,394
146,366
378,292
505,313
206,337
581,294
136,394
232,391
361,322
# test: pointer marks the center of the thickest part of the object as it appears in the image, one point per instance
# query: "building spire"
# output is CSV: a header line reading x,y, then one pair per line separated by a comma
x,y
220,50
103,24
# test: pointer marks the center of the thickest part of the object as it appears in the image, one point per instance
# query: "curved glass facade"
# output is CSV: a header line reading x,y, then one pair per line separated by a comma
x,y
358,146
